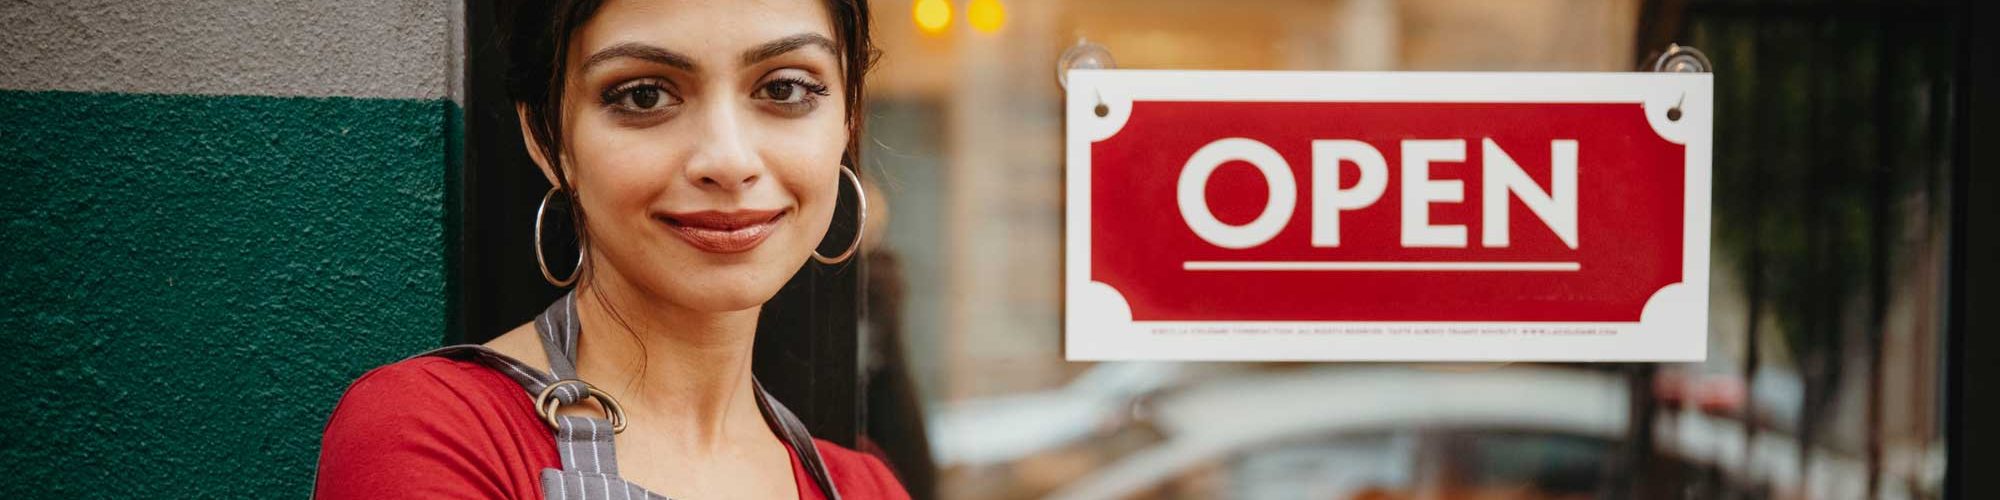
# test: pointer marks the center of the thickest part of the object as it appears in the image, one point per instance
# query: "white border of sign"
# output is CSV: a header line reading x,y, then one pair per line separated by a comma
x,y
1098,324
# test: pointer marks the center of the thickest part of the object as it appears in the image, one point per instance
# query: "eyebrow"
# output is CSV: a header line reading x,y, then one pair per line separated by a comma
x,y
780,46
682,62
639,51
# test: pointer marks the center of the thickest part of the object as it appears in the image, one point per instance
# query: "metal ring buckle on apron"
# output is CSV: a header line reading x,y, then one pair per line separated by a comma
x,y
546,404
588,456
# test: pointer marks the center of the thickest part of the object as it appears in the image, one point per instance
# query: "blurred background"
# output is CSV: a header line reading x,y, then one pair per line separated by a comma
x,y
1834,136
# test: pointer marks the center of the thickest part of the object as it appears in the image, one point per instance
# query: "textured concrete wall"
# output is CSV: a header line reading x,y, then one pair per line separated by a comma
x,y
217,214
355,48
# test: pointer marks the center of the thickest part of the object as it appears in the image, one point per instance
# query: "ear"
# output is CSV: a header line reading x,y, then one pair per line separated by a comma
x,y
534,146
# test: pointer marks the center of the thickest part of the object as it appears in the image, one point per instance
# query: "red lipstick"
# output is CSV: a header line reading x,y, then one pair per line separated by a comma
x,y
724,231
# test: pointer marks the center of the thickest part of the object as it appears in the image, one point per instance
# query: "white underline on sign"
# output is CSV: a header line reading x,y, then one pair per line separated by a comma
x,y
1263,265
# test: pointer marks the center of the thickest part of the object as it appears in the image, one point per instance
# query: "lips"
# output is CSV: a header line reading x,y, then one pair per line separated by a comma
x,y
724,231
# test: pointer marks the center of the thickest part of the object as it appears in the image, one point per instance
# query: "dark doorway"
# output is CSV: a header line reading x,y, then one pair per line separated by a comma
x,y
1841,171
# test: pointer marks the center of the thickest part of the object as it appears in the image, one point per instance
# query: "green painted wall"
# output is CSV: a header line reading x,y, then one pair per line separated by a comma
x,y
190,281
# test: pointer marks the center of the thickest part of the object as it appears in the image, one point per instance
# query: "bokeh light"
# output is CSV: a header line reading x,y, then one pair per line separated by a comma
x,y
932,16
987,16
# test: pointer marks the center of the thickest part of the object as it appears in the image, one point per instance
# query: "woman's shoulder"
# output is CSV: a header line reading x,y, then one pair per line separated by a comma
x,y
428,385
858,474
428,395
433,427
456,422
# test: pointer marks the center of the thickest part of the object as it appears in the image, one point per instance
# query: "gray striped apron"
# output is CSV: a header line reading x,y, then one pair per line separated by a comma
x,y
589,460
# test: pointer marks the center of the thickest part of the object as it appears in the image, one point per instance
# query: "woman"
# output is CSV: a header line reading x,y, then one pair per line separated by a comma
x,y
702,146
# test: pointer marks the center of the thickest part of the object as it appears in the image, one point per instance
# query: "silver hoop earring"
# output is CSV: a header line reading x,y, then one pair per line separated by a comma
x,y
860,220
543,262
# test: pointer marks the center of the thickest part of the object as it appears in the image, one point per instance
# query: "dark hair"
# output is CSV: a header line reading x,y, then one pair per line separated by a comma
x,y
537,67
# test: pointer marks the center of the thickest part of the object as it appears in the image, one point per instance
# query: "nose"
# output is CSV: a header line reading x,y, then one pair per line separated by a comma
x,y
723,159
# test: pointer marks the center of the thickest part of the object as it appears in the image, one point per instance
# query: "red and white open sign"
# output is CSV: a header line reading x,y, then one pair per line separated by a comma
x,y
1387,216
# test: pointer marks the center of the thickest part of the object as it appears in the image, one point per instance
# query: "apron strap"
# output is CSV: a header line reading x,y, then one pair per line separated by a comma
x,y
558,328
794,432
586,443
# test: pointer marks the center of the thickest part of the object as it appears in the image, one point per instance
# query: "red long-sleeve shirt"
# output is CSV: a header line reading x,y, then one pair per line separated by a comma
x,y
434,427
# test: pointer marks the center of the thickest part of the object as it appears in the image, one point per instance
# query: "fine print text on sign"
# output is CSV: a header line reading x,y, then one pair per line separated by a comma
x,y
1217,215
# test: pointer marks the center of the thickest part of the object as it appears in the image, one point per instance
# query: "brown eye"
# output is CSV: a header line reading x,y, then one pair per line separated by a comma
x,y
640,96
781,91
645,97
792,91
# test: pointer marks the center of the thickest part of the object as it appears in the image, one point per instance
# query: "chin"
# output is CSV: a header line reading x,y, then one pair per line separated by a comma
x,y
728,287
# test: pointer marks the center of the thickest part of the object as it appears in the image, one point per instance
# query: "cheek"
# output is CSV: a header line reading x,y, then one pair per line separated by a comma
x,y
616,170
814,187
809,167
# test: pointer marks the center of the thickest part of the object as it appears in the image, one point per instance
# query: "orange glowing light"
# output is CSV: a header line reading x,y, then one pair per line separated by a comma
x,y
932,15
987,16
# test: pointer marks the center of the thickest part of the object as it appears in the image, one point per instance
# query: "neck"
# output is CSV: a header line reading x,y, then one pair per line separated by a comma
x,y
670,366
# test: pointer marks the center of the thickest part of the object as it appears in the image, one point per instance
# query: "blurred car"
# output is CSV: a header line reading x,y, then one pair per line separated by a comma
x,y
1003,429
1378,432
1365,431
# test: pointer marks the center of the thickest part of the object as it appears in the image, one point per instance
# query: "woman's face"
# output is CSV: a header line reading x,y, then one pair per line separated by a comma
x,y
704,140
